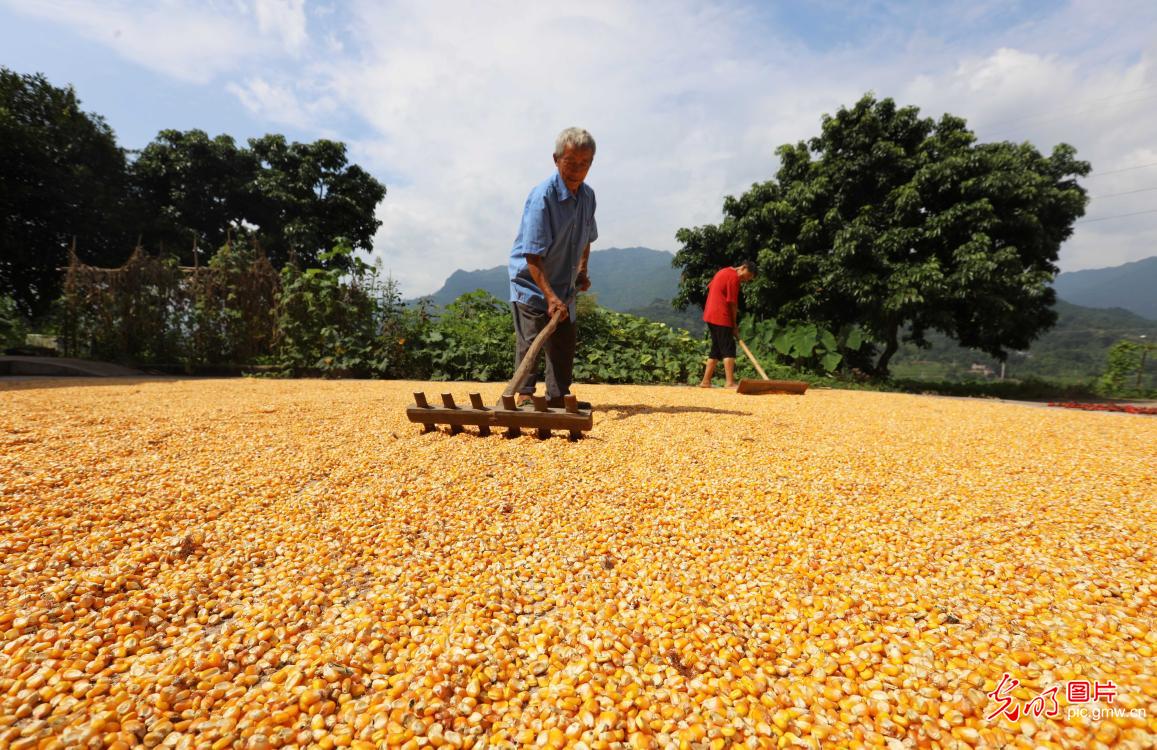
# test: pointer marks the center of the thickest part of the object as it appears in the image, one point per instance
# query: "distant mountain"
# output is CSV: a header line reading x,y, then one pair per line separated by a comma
x,y
492,280
1132,287
660,310
1074,350
622,278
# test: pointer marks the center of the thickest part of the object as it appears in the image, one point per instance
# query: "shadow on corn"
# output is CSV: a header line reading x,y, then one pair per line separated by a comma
x,y
624,411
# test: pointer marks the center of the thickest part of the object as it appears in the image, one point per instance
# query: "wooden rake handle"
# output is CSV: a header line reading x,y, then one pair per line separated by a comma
x,y
752,358
524,367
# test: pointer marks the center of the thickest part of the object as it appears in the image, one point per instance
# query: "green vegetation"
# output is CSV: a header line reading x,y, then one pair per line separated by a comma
x,y
67,184
804,346
330,322
473,339
1072,352
64,178
617,347
11,324
897,223
326,320
888,243
295,199
1126,375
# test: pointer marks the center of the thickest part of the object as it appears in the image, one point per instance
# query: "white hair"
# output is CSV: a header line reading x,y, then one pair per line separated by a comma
x,y
573,137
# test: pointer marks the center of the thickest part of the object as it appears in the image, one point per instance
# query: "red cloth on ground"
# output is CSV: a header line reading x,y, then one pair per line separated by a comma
x,y
721,293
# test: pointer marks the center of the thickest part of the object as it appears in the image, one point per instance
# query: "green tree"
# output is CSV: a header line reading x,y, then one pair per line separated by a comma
x,y
901,225
296,199
63,179
11,326
1125,371
325,318
307,198
192,189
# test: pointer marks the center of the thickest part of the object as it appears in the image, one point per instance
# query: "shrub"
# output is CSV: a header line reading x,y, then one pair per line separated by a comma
x,y
472,339
12,328
1125,373
326,319
616,347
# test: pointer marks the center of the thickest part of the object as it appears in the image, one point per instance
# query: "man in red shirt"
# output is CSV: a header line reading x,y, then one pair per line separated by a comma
x,y
721,313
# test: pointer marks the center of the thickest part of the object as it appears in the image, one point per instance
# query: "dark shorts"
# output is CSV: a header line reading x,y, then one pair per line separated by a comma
x,y
722,342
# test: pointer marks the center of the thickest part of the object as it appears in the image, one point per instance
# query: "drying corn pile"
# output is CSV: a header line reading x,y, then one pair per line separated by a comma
x,y
267,564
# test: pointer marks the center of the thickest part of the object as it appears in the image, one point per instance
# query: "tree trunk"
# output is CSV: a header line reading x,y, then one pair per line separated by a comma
x,y
892,345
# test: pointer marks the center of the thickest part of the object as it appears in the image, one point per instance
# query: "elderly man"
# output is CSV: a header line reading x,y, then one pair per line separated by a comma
x,y
548,263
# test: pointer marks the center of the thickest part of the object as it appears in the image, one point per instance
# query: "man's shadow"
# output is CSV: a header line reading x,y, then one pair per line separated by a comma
x,y
625,411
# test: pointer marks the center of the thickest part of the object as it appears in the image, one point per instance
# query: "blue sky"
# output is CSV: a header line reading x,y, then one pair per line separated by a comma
x,y
454,105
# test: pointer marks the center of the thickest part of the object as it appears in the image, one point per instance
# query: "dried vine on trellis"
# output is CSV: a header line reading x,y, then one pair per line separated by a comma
x,y
153,311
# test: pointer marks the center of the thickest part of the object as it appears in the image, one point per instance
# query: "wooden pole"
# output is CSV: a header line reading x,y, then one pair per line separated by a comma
x,y
524,367
751,356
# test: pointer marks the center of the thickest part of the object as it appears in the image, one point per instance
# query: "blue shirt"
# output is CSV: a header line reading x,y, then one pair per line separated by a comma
x,y
557,226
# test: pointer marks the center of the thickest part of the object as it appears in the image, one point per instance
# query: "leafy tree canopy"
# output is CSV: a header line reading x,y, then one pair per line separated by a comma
x,y
296,199
191,188
893,222
63,177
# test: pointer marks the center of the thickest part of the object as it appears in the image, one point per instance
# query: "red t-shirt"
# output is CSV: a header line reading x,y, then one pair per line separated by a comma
x,y
721,293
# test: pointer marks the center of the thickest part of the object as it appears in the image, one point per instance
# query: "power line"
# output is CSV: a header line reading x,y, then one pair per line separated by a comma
x,y
1118,216
1050,118
1124,169
1065,111
1127,192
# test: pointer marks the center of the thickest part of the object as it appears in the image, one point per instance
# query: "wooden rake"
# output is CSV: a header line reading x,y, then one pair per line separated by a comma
x,y
506,414
750,387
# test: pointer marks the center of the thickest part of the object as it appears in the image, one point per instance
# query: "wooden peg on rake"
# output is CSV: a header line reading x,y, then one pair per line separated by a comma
x,y
450,414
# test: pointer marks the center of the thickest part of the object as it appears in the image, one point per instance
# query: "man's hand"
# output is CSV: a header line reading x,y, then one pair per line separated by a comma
x,y
555,305
582,282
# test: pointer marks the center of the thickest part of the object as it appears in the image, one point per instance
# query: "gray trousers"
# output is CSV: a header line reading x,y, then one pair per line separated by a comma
x,y
559,350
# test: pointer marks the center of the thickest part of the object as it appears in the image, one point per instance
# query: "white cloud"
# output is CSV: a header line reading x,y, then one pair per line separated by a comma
x,y
195,42
284,19
279,101
687,105
468,99
455,104
1105,110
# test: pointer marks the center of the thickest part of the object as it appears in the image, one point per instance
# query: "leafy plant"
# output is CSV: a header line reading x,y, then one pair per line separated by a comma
x,y
325,318
133,314
232,303
617,347
399,329
1125,373
11,323
805,345
472,339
